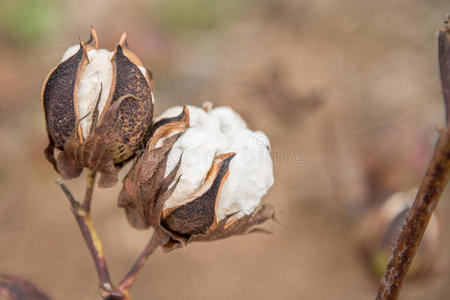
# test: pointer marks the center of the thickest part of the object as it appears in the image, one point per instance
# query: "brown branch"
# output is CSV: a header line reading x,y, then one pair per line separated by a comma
x,y
107,289
94,245
86,206
157,240
444,65
430,191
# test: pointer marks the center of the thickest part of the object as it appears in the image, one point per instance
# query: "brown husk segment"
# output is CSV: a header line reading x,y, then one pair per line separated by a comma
x,y
131,128
199,215
128,79
230,226
92,42
58,96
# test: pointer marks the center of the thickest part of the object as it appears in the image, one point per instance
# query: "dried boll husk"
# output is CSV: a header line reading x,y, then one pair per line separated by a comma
x,y
15,288
148,189
98,107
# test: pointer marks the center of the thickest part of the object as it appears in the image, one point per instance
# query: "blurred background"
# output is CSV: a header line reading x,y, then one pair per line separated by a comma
x,y
348,92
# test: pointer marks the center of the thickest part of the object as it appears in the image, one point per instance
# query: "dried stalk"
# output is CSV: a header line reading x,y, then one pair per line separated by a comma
x,y
428,195
108,291
86,206
92,241
157,240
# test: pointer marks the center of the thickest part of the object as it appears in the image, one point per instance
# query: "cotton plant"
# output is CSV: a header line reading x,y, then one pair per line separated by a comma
x,y
197,174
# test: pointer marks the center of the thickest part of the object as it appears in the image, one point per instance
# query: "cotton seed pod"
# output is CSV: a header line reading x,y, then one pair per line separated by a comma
x,y
380,230
202,177
98,109
15,288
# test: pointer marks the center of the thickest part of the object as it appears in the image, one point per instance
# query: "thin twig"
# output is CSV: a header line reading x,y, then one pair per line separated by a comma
x,y
428,195
90,182
157,240
93,243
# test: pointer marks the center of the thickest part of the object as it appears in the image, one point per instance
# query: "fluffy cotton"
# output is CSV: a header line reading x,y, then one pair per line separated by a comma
x,y
96,77
218,131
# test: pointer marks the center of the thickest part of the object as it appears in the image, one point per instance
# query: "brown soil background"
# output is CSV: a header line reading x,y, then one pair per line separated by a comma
x,y
348,92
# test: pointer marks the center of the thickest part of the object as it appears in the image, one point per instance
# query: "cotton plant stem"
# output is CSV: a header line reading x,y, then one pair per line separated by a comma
x,y
429,193
419,215
94,245
86,206
157,240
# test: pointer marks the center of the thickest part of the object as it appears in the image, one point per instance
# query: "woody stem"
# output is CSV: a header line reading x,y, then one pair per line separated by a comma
x,y
431,188
419,215
93,243
156,240
90,182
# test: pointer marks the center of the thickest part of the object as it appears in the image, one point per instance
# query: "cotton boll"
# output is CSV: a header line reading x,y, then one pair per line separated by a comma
x,y
221,130
104,84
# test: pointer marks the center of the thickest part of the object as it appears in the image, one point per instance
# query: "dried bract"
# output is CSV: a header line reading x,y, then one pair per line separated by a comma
x,y
202,177
98,107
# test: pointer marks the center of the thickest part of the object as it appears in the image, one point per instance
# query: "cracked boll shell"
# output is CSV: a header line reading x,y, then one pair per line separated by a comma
x,y
97,75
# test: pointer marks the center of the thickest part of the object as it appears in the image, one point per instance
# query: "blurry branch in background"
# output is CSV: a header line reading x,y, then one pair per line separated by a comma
x,y
429,192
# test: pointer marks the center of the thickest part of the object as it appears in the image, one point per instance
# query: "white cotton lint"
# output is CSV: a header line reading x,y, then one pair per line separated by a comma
x,y
221,130
96,77
250,174
229,120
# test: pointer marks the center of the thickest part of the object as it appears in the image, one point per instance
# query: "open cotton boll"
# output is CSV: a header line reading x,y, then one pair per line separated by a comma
x,y
221,130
